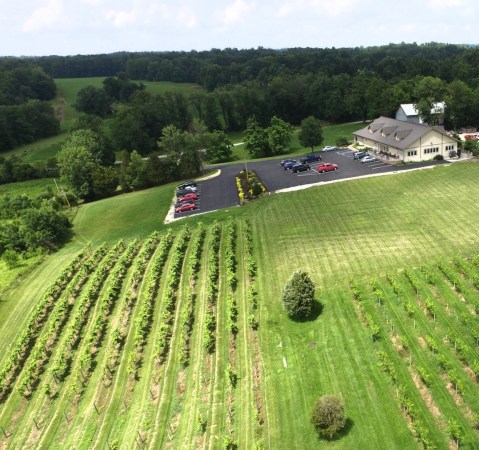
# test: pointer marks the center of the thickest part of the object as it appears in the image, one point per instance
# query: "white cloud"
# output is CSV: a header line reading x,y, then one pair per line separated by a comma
x,y
186,17
120,19
92,2
318,7
234,12
437,4
46,16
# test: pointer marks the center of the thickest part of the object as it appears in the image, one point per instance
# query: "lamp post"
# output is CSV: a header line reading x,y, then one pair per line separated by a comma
x,y
246,169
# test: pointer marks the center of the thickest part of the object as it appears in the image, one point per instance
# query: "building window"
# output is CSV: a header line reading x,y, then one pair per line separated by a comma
x,y
412,153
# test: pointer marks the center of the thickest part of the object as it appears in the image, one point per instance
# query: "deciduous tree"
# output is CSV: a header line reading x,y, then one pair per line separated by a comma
x,y
328,416
280,134
311,132
76,165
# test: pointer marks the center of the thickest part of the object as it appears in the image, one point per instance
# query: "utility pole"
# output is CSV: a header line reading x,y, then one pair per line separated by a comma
x,y
62,192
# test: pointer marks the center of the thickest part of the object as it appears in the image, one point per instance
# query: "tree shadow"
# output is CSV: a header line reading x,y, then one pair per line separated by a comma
x,y
315,313
348,426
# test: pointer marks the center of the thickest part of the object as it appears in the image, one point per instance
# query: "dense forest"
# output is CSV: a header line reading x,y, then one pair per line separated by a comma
x,y
216,67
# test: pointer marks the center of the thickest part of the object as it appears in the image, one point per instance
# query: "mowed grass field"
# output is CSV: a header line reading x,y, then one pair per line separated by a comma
x,y
138,373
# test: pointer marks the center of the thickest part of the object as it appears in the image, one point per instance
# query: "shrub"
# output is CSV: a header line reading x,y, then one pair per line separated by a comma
x,y
298,296
438,158
328,416
342,141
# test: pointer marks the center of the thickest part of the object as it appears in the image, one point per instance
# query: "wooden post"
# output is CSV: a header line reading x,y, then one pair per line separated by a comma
x,y
4,433
36,424
66,417
96,409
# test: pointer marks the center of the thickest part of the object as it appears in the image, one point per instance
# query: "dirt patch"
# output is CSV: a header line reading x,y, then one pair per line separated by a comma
x,y
59,109
425,394
422,342
399,346
180,384
312,345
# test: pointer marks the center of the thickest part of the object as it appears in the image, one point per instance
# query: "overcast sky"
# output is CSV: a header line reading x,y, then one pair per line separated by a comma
x,y
70,27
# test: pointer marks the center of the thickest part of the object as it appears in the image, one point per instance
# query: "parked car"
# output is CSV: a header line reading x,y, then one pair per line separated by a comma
x,y
288,165
284,161
368,159
185,207
309,159
190,188
183,192
452,154
184,202
326,167
359,155
329,148
300,168
187,183
190,196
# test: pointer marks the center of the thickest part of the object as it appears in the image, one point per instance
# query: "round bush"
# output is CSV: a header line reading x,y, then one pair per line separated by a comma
x,y
328,416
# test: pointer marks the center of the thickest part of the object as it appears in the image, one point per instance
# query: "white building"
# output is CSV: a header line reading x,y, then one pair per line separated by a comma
x,y
408,112
405,141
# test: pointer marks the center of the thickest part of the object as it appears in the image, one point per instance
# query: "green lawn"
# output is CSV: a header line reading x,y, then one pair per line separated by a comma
x,y
32,188
160,87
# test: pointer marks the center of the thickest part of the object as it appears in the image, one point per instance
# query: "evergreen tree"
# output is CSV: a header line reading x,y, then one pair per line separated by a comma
x,y
298,296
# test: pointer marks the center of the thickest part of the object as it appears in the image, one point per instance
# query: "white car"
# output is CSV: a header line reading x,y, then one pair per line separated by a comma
x,y
329,148
368,159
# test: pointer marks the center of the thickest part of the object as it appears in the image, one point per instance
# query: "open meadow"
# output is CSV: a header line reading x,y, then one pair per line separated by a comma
x,y
138,334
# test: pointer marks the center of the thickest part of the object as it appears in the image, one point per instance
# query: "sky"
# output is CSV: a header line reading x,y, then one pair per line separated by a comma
x,y
72,27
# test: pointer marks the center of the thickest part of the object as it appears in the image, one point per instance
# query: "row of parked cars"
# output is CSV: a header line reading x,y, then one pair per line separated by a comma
x,y
364,157
187,197
304,164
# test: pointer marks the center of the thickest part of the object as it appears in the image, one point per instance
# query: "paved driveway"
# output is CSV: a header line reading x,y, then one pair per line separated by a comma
x,y
220,192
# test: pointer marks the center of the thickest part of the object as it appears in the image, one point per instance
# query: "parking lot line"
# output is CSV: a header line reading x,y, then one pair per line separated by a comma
x,y
307,174
378,165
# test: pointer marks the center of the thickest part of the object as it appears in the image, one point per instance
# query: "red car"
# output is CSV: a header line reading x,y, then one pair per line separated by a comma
x,y
185,207
326,167
186,197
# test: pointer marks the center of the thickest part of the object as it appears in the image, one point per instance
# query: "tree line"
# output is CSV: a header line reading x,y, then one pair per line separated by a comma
x,y
217,67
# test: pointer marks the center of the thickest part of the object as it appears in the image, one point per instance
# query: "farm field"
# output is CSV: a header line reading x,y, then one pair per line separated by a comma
x,y
175,337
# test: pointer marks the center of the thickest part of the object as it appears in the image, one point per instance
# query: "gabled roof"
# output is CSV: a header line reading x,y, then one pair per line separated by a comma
x,y
410,110
396,133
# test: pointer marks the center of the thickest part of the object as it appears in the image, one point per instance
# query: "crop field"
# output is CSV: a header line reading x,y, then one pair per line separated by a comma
x,y
176,338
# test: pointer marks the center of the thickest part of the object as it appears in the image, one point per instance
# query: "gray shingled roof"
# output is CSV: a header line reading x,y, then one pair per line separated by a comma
x,y
407,132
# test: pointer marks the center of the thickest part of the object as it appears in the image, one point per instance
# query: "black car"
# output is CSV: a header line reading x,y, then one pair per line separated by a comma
x,y
310,158
300,168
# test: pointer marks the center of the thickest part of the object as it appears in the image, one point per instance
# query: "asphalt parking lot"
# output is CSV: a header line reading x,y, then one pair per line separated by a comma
x,y
220,192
